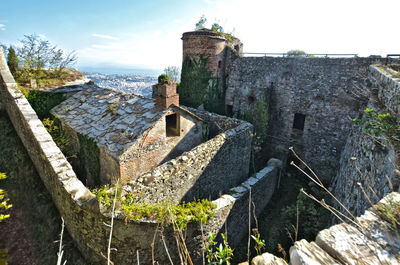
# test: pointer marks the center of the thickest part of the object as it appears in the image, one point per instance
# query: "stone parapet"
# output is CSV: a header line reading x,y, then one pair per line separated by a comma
x,y
370,239
387,86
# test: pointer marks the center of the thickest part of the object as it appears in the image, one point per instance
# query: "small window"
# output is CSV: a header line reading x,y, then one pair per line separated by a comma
x,y
172,125
219,64
237,48
251,99
298,122
229,110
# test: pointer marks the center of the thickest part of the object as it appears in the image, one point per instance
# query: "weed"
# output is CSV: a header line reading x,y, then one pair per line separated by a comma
x,y
163,212
390,212
113,108
221,254
260,243
3,200
380,126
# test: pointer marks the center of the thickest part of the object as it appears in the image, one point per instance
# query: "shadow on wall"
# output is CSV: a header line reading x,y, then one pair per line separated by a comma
x,y
226,168
183,145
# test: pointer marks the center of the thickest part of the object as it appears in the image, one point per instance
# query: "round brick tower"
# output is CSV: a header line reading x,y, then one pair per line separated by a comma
x,y
214,46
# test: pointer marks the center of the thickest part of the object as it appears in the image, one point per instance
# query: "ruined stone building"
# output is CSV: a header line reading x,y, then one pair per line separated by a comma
x,y
134,134
165,152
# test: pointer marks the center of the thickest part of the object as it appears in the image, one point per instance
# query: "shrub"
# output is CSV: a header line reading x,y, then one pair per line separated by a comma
x,y
163,79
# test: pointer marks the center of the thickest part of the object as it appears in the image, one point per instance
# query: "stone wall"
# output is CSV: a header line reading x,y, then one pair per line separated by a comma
x,y
366,161
76,204
367,241
156,146
206,171
388,88
85,218
233,207
328,91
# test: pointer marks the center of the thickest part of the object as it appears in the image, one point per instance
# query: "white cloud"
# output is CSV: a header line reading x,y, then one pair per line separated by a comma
x,y
102,36
113,45
264,26
156,50
2,27
178,21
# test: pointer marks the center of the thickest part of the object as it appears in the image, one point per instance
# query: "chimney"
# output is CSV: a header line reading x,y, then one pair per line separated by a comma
x,y
166,95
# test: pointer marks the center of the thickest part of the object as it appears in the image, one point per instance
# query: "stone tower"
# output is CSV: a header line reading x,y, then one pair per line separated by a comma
x,y
220,50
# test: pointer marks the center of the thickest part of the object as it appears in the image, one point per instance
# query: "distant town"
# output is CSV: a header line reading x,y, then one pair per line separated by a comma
x,y
134,84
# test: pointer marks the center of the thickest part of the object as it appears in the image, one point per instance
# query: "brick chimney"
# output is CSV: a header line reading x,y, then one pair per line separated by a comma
x,y
166,95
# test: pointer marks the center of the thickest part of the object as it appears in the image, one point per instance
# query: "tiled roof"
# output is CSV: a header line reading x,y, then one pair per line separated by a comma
x,y
113,119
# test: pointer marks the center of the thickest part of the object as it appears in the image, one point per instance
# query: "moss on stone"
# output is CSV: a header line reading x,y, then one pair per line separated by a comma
x,y
89,155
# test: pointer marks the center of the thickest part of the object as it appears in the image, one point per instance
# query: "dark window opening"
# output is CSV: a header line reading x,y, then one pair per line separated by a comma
x,y
229,110
251,99
298,122
219,64
237,48
172,125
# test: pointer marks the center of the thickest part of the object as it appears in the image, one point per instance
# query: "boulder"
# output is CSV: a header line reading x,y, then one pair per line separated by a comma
x,y
305,253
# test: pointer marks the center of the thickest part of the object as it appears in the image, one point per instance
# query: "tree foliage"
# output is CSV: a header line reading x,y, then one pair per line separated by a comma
x,y
12,60
217,28
37,53
312,217
173,73
39,59
201,24
296,53
199,87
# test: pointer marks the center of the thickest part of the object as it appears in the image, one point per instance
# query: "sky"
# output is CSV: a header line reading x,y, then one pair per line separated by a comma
x,y
147,34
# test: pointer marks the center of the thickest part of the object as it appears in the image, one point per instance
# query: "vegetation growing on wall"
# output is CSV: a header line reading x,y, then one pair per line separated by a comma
x,y
164,212
4,201
42,102
215,28
258,115
89,157
380,126
198,87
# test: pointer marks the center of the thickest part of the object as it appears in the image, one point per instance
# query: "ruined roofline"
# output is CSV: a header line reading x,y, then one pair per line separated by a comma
x,y
203,34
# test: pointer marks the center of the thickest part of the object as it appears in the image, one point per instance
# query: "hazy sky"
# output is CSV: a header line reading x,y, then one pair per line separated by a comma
x,y
146,34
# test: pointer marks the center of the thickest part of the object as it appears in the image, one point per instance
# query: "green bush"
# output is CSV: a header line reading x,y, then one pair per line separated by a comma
x,y
380,126
163,79
312,216
42,102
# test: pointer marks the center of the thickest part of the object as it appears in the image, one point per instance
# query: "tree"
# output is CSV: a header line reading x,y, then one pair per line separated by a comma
x,y
12,61
37,53
173,72
296,53
201,23
217,28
